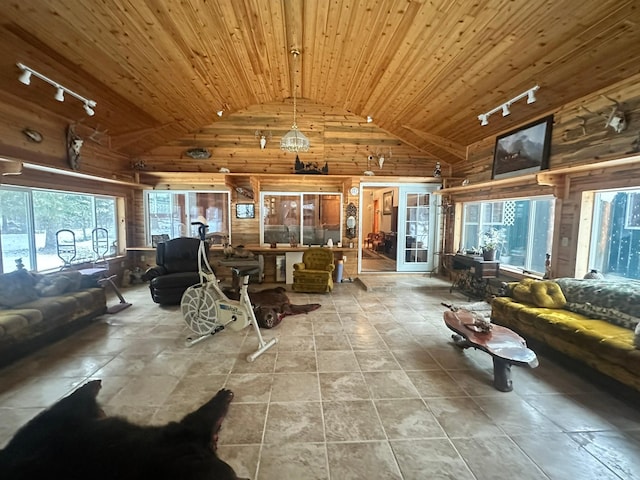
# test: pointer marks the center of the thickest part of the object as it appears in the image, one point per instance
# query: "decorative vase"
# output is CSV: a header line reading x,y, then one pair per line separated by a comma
x,y
489,255
594,275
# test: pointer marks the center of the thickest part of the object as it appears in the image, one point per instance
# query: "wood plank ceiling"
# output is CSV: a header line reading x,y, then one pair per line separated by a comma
x,y
161,69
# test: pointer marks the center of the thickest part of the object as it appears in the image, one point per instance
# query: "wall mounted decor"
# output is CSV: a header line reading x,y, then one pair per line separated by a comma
x,y
525,150
198,153
387,203
245,210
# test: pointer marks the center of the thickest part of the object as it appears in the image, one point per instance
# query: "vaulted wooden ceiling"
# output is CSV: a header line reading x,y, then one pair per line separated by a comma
x,y
161,69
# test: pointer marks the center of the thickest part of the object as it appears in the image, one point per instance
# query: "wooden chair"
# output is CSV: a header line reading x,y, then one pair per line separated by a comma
x,y
315,272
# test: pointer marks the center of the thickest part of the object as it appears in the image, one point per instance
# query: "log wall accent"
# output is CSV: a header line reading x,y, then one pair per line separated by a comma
x,y
585,156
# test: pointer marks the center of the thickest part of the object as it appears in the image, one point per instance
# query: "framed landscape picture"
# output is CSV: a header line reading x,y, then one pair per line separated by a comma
x,y
245,210
522,151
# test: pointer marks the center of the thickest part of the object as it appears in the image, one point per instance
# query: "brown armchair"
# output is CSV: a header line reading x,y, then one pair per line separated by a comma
x,y
315,272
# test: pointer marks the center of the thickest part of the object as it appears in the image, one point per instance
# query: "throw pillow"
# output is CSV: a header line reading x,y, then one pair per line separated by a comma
x,y
636,339
17,288
522,291
547,294
52,286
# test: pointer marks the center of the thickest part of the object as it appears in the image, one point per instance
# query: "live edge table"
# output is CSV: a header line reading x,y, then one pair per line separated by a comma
x,y
504,345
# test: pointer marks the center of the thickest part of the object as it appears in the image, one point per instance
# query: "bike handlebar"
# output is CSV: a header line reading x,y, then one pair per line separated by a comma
x,y
202,229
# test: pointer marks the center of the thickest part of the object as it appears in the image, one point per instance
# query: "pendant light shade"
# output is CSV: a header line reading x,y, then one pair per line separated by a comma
x,y
294,140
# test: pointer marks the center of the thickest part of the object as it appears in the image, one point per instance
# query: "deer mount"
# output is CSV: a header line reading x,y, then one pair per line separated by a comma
x,y
615,119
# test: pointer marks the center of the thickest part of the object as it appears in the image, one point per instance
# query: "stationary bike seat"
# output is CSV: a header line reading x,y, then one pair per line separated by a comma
x,y
244,271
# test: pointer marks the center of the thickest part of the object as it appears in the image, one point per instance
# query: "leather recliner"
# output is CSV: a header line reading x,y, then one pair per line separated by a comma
x,y
176,270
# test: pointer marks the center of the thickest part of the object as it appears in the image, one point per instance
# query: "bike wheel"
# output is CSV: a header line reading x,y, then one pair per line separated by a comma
x,y
199,309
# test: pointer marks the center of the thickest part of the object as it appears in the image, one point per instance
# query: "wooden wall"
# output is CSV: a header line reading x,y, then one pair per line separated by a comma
x,y
585,156
338,138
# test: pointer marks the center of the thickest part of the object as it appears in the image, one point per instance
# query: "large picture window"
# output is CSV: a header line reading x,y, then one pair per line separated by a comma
x,y
614,249
31,217
172,212
526,225
302,218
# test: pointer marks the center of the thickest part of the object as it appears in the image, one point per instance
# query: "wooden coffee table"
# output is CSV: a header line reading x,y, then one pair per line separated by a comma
x,y
504,345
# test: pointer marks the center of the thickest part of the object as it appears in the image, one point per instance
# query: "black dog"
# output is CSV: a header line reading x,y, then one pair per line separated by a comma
x,y
75,440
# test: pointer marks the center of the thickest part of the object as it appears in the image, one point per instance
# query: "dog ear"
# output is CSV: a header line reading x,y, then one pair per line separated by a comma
x,y
205,422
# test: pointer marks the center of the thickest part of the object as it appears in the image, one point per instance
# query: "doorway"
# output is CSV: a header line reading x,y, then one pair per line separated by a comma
x,y
398,227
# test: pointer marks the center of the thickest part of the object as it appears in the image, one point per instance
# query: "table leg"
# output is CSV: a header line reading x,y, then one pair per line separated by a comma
x,y
502,375
460,341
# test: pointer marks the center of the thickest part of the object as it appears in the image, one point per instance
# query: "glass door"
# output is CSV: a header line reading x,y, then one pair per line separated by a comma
x,y
417,230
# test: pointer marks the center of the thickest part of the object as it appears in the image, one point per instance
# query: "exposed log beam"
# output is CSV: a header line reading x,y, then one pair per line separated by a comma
x,y
452,147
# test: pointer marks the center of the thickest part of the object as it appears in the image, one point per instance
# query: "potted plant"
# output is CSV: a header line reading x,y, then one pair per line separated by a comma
x,y
491,241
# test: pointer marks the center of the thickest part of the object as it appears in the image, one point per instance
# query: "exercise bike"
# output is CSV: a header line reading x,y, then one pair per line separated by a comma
x,y
207,310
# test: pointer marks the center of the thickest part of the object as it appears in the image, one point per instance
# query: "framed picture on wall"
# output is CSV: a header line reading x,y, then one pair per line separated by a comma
x,y
524,150
387,202
156,239
245,210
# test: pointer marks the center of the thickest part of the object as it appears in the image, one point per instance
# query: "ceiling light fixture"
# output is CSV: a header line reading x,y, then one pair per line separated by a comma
x,y
294,140
505,107
25,77
369,119
219,112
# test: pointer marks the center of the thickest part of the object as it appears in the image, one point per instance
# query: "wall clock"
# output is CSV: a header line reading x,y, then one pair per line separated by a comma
x,y
354,190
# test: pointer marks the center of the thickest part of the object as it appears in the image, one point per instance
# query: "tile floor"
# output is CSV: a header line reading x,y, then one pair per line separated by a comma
x,y
367,387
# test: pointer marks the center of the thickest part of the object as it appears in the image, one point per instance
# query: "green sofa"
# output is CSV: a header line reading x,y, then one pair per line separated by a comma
x,y
593,321
37,309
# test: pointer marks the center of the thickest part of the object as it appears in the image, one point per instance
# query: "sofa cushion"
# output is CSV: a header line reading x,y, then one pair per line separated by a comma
x,y
54,284
622,295
16,288
545,293
612,315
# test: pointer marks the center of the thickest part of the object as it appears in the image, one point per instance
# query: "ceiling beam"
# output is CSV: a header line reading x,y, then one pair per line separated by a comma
x,y
453,148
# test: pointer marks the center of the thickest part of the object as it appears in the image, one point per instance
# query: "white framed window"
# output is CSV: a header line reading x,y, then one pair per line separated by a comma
x,y
302,218
527,225
30,218
614,246
171,213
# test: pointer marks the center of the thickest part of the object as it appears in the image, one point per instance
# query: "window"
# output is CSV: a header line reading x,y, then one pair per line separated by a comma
x,y
31,218
527,225
172,212
614,249
307,219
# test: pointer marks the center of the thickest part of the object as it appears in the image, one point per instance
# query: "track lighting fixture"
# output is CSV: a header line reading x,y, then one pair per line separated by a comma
x,y
505,107
25,77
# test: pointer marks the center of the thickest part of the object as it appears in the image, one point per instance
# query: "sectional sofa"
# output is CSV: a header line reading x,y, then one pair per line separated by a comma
x,y
593,321
37,309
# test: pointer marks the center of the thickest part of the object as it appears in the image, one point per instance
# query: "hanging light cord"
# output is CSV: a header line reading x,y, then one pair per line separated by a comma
x,y
295,53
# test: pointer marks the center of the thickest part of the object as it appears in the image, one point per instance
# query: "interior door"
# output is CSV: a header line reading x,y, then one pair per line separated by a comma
x,y
417,232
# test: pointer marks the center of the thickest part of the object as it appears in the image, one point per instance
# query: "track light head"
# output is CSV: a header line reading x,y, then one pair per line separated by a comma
x,y
505,110
60,94
483,119
89,110
25,77
531,96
